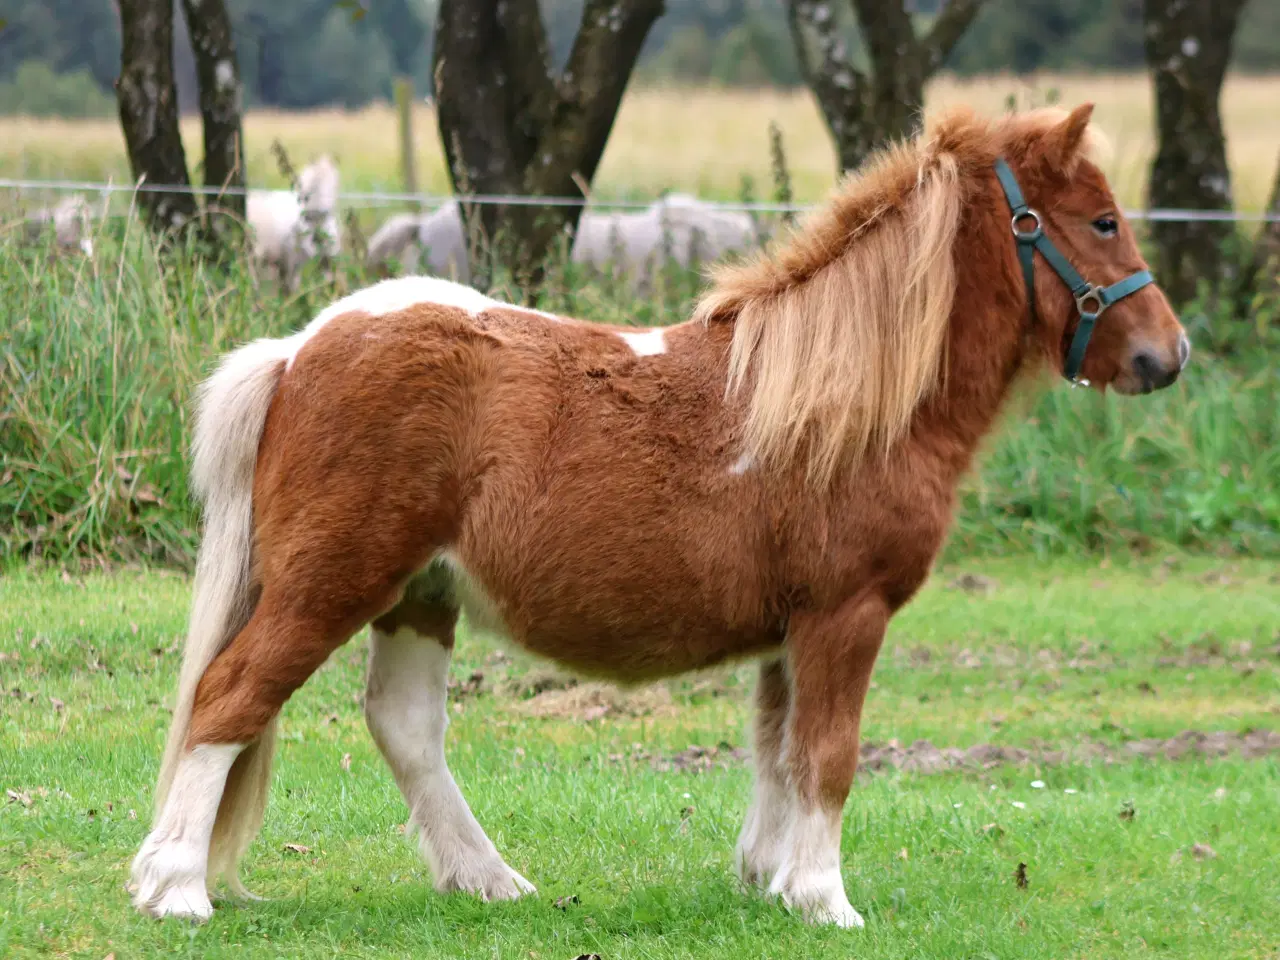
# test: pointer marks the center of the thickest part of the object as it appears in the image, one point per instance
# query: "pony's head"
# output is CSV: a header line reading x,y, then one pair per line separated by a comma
x,y
1136,344
317,187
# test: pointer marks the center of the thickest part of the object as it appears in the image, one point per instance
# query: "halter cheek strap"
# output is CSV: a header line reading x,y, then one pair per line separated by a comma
x,y
1091,300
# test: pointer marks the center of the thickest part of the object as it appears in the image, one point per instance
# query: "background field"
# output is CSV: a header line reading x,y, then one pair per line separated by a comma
x,y
698,140
631,802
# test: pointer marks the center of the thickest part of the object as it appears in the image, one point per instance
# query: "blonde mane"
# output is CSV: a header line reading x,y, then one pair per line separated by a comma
x,y
841,334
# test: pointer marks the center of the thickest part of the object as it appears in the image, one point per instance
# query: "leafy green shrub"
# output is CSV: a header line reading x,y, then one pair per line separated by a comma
x,y
37,91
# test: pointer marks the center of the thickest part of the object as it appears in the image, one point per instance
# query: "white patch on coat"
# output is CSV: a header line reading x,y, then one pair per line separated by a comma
x,y
742,465
392,296
650,343
169,876
407,712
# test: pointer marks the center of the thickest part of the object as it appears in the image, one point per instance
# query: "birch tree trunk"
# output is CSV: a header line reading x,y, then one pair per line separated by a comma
x,y
1188,46
511,126
220,100
148,101
865,111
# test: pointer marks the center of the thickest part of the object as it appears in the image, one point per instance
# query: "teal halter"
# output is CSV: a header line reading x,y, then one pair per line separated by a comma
x,y
1091,300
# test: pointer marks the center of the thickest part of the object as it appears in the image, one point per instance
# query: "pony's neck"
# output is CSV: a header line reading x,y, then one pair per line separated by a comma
x,y
986,342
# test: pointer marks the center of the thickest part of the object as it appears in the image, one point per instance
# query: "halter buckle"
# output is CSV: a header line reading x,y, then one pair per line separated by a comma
x,y
1028,236
1092,294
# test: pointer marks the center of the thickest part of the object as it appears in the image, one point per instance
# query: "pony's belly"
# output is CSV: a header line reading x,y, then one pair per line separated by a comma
x,y
613,639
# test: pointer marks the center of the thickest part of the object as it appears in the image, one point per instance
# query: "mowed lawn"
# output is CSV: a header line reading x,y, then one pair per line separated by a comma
x,y
624,807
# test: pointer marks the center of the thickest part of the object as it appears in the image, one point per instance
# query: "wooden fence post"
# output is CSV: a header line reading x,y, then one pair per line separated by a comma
x,y
404,120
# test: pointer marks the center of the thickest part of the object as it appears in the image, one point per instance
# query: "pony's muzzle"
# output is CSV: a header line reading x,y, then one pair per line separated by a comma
x,y
1154,372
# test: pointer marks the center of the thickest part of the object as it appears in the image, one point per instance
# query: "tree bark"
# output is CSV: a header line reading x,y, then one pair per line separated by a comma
x,y
509,126
1188,46
1263,273
218,77
148,102
863,112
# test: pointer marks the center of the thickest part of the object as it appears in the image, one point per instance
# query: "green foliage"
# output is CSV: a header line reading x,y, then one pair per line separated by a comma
x,y
98,360
307,53
35,90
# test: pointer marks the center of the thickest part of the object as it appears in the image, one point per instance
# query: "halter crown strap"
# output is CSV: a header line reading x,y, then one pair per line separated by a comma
x,y
1090,300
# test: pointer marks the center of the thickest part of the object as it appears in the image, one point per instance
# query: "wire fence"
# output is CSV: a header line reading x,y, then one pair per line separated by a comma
x,y
377,198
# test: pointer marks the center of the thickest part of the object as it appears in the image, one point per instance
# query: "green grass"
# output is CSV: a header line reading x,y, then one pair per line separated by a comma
x,y
98,361
1054,652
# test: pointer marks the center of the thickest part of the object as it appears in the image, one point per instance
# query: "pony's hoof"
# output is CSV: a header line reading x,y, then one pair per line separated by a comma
x,y
189,900
819,898
758,865
167,880
498,882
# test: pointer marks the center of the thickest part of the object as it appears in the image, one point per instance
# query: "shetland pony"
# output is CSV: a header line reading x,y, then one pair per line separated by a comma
x,y
770,479
678,228
438,238
292,227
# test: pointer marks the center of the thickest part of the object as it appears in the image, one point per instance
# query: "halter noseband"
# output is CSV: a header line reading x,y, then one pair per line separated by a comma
x,y
1091,300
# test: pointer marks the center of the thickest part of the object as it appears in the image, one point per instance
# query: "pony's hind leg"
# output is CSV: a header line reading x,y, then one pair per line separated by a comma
x,y
761,843
405,707
200,832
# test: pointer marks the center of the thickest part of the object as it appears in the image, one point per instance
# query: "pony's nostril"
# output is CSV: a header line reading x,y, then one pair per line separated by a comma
x,y
1152,372
1184,350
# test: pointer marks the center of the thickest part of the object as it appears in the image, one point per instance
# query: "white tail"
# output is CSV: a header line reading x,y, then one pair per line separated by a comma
x,y
231,414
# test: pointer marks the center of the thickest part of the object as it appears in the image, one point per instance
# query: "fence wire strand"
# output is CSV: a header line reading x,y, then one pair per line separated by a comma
x,y
373,199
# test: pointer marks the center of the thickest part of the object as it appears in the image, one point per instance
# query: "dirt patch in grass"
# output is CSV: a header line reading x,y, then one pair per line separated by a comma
x,y
593,701
924,757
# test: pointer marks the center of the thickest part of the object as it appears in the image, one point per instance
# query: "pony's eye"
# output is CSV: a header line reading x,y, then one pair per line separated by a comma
x,y
1106,226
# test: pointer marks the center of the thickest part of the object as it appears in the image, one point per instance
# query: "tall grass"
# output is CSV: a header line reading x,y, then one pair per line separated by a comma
x,y
98,360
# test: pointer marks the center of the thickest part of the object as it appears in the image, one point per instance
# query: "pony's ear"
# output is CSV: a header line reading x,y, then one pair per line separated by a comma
x,y
1063,142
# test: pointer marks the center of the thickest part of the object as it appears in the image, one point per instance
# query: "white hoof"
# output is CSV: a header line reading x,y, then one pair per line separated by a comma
x,y
495,881
819,897
168,880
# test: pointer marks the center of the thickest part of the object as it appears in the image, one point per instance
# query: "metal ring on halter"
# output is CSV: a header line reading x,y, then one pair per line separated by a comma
x,y
1094,293
1031,235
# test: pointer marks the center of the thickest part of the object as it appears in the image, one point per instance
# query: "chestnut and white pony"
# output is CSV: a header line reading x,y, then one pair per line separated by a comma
x,y
772,478
292,227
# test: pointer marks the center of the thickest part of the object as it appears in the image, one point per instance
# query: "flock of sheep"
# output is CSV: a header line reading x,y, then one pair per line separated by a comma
x,y
291,227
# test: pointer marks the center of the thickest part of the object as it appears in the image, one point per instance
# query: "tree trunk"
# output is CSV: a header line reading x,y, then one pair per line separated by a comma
x,y
220,100
510,127
862,112
148,103
1263,274
1188,46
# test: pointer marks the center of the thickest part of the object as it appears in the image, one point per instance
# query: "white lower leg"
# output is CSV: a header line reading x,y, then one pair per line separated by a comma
x,y
809,878
405,706
169,872
762,843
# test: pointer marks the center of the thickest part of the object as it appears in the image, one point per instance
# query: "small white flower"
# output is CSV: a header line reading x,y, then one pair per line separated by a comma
x,y
993,786
686,795
1071,790
1019,804
957,805
1037,784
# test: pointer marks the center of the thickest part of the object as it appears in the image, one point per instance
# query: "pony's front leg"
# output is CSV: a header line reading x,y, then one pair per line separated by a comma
x,y
830,656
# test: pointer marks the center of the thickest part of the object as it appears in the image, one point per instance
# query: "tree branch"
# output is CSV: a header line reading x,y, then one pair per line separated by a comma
x,y
838,86
946,32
